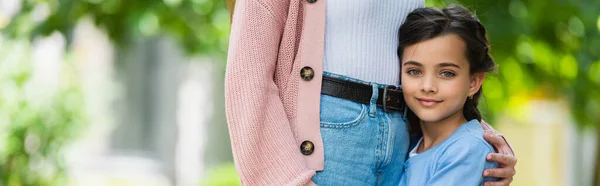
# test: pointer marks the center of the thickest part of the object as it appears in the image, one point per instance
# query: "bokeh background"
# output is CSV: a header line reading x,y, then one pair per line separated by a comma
x,y
130,92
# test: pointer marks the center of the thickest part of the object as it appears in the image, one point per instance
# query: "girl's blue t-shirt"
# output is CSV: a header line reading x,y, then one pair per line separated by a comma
x,y
458,160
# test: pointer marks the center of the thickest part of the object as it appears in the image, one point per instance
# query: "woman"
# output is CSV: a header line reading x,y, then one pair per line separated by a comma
x,y
284,130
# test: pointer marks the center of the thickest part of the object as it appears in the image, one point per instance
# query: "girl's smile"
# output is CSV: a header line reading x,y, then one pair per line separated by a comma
x,y
428,102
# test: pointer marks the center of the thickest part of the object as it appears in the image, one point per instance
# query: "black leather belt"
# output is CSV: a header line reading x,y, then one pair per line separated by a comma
x,y
389,97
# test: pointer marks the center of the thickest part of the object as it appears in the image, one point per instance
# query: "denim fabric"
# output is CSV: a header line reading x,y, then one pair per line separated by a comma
x,y
363,144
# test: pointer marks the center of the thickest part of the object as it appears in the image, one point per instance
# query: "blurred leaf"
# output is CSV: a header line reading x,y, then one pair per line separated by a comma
x,y
222,175
190,22
33,132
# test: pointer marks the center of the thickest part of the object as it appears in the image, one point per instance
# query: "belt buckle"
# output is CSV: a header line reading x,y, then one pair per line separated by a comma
x,y
385,96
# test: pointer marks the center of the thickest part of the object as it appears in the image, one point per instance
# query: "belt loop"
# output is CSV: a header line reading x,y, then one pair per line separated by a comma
x,y
373,102
405,106
384,98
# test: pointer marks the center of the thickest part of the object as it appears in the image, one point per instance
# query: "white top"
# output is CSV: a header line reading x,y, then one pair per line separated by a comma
x,y
361,38
413,152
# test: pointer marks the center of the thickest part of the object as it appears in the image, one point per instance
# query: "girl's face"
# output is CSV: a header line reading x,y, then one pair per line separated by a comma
x,y
435,78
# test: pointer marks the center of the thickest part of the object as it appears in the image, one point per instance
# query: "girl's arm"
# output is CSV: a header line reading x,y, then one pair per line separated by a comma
x,y
505,157
264,147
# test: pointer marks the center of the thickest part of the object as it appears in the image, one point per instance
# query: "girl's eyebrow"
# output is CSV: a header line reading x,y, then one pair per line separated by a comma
x,y
448,64
411,62
444,64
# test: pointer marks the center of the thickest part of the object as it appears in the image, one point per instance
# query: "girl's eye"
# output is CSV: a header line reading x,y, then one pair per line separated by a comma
x,y
413,72
447,74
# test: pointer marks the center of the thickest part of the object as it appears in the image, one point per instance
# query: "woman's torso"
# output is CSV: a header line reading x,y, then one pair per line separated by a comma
x,y
361,38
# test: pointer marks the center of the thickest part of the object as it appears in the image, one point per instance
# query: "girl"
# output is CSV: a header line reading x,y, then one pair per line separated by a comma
x,y
445,55
310,97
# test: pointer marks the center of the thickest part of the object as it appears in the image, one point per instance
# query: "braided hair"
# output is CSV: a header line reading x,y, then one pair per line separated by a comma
x,y
427,23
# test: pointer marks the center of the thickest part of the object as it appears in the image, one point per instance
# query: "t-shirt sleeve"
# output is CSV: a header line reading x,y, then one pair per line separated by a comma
x,y
462,163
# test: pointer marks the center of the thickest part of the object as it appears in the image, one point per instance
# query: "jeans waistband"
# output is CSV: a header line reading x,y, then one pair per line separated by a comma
x,y
346,78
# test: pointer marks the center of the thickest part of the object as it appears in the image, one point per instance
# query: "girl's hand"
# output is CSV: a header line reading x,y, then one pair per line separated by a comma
x,y
505,158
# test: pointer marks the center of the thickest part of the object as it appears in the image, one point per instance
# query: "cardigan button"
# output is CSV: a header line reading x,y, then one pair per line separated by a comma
x,y
307,147
307,73
311,1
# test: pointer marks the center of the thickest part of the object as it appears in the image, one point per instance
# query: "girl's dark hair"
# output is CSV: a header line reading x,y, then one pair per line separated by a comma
x,y
427,23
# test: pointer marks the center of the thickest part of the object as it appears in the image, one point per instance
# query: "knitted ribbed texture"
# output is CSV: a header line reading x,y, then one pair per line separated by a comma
x,y
258,72
361,38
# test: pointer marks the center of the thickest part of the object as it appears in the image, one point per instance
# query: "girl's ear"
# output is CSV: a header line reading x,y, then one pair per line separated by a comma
x,y
476,81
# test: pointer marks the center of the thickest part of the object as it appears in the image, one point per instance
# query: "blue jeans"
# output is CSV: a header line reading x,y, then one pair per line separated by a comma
x,y
363,144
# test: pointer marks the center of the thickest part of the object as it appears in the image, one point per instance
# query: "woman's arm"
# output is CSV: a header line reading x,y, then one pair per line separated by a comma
x,y
505,157
264,148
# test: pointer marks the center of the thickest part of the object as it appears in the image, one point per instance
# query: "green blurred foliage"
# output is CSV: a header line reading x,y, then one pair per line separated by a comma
x,y
545,50
200,26
34,125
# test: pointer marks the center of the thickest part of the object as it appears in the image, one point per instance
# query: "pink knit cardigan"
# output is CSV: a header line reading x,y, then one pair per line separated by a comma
x,y
270,109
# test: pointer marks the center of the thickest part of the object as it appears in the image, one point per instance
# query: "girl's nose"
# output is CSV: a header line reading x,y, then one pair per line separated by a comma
x,y
428,84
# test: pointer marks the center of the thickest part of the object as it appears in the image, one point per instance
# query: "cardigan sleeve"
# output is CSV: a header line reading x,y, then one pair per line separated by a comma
x,y
488,128
264,147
